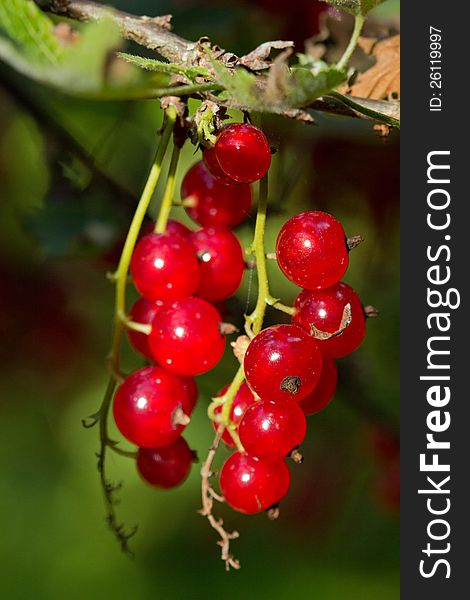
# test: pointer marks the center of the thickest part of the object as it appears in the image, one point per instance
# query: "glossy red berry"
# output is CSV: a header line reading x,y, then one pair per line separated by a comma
x,y
311,250
271,430
173,227
324,390
282,363
165,467
243,399
251,485
212,164
214,202
220,260
186,336
243,152
165,267
324,309
149,407
142,311
190,394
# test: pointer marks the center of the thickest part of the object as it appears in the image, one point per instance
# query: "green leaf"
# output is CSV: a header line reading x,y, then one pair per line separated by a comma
x,y
30,46
368,5
355,7
307,84
83,68
239,84
150,64
30,31
380,110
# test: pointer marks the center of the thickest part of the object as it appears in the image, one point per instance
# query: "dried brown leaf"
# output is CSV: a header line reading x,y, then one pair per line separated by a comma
x,y
382,80
259,58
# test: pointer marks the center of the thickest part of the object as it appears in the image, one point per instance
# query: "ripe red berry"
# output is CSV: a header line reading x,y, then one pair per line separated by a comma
x,y
251,485
324,390
324,309
220,260
142,311
149,407
282,363
210,160
165,467
173,227
214,202
165,267
243,399
271,430
243,152
190,394
186,336
311,250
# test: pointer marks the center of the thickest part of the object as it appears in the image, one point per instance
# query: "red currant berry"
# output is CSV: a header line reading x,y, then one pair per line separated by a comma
x,y
271,430
220,260
243,399
311,250
243,152
282,363
324,390
142,311
165,267
324,309
173,227
251,485
186,336
149,407
176,228
190,394
214,202
210,160
165,467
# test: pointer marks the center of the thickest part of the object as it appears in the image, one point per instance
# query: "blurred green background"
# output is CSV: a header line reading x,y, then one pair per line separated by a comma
x,y
70,171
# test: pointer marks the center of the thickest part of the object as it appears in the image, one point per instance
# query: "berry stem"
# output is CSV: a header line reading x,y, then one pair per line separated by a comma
x,y
120,276
254,321
230,394
208,497
120,321
167,200
358,25
109,488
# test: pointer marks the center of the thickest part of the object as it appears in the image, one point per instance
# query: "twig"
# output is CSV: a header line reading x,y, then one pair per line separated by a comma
x,y
208,497
145,31
153,33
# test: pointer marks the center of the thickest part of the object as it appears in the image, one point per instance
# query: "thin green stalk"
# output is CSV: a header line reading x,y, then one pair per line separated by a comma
x,y
253,322
152,93
231,393
358,25
120,319
120,276
167,200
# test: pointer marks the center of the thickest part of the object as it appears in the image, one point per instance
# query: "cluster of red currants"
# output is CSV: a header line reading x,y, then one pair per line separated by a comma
x,y
180,274
290,370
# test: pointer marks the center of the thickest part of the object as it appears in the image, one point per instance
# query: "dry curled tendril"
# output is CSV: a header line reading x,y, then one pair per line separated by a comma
x,y
208,497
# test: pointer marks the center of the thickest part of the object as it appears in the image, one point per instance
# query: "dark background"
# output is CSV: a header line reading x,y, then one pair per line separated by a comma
x,y
63,213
